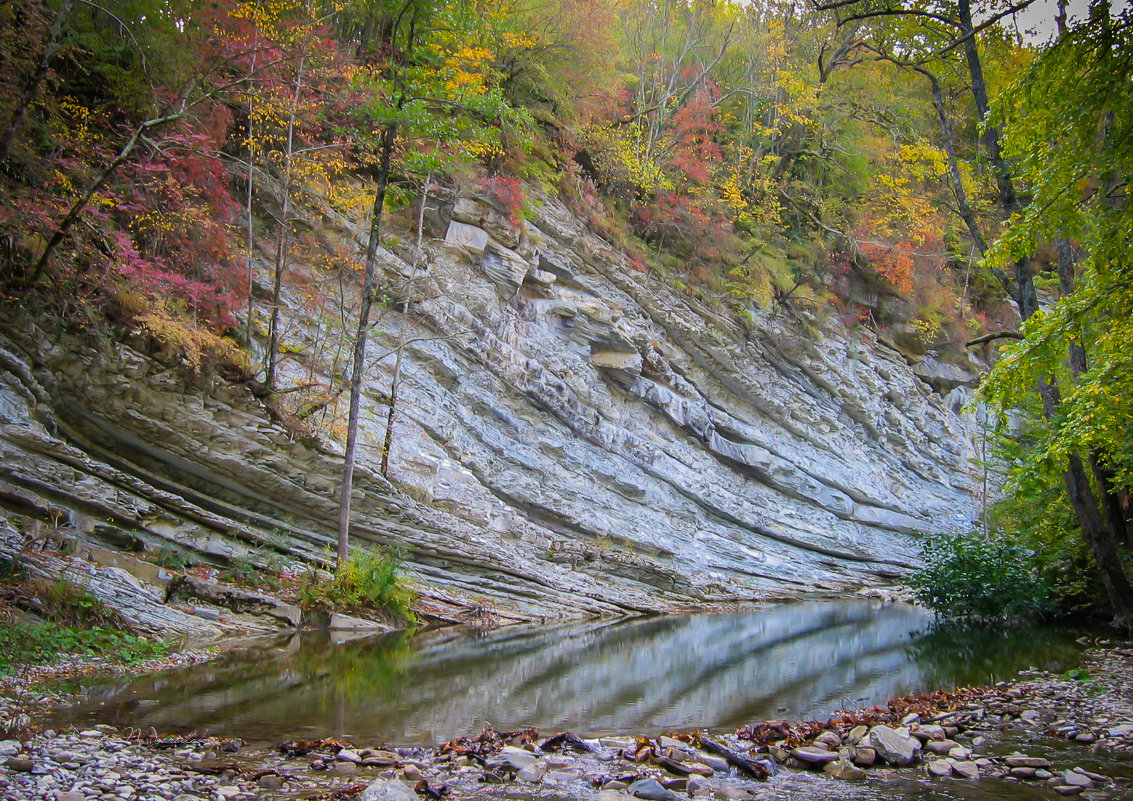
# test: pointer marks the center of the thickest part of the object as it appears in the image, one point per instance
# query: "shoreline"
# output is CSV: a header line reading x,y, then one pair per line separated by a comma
x,y
1072,735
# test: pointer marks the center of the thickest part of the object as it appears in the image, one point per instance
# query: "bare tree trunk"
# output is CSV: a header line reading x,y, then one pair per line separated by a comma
x,y
387,440
281,233
389,137
248,207
946,136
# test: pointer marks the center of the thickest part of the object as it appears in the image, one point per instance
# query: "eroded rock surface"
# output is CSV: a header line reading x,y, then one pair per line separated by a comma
x,y
573,438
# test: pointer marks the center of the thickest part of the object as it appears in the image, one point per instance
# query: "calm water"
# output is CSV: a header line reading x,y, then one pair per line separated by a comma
x,y
716,671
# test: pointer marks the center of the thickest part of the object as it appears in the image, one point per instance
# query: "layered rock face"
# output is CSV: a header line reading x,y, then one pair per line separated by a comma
x,y
572,437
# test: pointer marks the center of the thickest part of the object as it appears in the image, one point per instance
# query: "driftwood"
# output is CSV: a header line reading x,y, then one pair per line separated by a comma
x,y
755,770
565,740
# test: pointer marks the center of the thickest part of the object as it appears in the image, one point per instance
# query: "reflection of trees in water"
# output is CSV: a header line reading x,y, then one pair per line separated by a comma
x,y
355,671
959,653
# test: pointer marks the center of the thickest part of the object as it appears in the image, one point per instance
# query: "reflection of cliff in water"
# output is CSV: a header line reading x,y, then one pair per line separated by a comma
x,y
643,675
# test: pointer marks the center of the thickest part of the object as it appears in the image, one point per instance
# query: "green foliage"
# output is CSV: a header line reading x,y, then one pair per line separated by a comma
x,y
976,577
67,605
24,644
1069,128
1036,513
368,581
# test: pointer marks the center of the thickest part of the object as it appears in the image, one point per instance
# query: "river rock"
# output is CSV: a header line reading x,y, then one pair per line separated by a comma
x,y
388,790
864,756
940,746
856,734
940,767
70,795
966,770
1024,761
929,731
512,759
814,755
10,747
652,790
532,773
893,746
1075,779
731,793
843,769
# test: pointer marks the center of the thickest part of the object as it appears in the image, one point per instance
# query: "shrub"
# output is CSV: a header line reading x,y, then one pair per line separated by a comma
x,y
369,581
977,577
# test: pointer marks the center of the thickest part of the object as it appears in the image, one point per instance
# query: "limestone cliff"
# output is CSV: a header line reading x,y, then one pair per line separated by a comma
x,y
573,437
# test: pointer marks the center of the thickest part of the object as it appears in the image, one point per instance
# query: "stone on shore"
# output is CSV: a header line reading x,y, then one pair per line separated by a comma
x,y
894,746
814,755
652,790
388,790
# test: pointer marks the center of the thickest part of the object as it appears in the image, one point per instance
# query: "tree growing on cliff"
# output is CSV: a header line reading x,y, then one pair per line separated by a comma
x,y
430,101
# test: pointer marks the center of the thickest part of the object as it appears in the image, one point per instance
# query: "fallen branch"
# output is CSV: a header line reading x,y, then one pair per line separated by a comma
x,y
755,770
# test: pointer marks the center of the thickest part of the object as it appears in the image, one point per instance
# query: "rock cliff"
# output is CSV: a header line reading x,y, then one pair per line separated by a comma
x,y
572,436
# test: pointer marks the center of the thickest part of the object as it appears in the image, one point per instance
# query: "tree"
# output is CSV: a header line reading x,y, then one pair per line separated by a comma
x,y
429,100
1068,128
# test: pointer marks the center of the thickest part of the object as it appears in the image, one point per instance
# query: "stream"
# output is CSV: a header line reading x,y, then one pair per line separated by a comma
x,y
716,671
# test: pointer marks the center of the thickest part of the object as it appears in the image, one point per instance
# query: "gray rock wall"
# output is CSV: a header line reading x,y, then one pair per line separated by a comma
x,y
572,438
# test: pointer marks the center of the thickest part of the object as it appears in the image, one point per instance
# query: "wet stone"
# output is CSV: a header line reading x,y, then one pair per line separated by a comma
x,y
1075,779
966,770
844,770
652,790
895,747
388,790
940,767
814,755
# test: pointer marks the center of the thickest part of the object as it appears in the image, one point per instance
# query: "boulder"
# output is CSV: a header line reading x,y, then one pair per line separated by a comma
x,y
469,238
895,747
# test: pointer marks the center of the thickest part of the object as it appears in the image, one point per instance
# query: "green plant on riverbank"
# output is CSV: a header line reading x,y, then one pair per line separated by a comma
x,y
973,576
368,581
63,620
23,644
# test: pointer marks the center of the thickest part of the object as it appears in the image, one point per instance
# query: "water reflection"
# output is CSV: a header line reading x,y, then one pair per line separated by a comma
x,y
960,653
716,671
